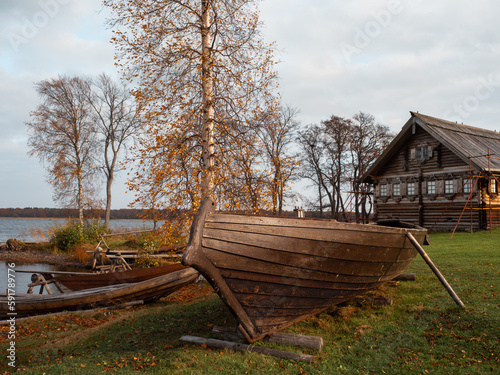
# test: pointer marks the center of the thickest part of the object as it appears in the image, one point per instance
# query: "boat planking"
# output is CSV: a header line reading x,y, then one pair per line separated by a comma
x,y
96,280
147,291
273,272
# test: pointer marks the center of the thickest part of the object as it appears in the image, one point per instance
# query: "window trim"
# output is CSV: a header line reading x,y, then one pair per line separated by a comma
x,y
428,185
449,183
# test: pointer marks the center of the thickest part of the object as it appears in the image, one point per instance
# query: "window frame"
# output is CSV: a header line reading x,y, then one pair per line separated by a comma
x,y
398,193
449,186
383,190
413,186
431,183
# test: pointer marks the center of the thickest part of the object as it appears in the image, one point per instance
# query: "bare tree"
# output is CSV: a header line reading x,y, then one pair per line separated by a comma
x,y
63,135
276,132
313,154
117,121
336,154
336,142
368,140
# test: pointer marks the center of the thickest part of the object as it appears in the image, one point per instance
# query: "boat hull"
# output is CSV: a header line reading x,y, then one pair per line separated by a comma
x,y
273,272
148,290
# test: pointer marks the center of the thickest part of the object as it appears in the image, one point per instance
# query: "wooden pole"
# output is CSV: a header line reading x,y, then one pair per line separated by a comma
x,y
308,342
220,344
435,270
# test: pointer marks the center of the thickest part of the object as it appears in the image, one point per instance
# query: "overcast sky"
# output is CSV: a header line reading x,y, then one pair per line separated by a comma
x,y
383,57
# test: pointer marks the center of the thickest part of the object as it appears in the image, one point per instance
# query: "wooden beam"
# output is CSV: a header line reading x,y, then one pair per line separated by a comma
x,y
220,344
309,342
435,270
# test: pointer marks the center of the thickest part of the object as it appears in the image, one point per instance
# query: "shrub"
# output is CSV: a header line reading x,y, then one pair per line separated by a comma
x,y
71,234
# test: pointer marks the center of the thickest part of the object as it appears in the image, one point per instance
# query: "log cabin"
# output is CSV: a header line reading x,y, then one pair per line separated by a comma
x,y
440,175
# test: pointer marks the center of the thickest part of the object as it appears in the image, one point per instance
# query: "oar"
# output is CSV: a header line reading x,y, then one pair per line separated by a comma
x,y
435,270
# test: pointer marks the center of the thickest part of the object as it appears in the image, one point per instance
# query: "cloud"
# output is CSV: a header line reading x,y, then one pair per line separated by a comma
x,y
436,57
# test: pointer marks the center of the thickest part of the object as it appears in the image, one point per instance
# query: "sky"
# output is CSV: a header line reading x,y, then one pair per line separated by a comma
x,y
382,57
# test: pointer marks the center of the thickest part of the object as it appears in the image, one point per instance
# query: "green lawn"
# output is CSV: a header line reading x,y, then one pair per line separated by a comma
x,y
422,332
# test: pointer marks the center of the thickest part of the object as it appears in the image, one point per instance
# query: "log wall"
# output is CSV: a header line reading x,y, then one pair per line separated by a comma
x,y
438,210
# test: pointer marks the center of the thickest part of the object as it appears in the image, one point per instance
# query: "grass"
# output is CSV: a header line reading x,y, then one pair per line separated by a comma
x,y
422,332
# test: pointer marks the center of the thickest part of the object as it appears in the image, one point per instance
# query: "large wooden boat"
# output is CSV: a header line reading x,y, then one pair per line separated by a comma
x,y
96,280
148,290
273,272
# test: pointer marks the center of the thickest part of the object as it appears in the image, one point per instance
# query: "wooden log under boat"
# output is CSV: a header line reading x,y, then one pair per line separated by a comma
x,y
96,280
148,290
273,272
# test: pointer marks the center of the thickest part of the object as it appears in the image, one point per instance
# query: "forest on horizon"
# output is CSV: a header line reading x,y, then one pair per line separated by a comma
x,y
64,213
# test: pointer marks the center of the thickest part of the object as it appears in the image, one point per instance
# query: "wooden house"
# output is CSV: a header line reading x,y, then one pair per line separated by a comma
x,y
440,175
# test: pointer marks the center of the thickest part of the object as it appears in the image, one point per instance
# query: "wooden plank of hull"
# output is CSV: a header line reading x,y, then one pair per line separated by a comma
x,y
332,250
145,290
261,278
316,263
96,280
318,234
235,262
292,290
287,256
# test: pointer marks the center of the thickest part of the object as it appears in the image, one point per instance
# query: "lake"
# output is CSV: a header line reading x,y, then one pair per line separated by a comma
x,y
36,230
23,278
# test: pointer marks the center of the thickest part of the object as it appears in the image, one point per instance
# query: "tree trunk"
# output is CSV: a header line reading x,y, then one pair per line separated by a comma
x,y
80,196
208,103
109,183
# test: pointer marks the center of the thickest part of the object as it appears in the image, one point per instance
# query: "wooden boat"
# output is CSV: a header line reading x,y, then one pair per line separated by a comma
x,y
273,272
148,290
96,280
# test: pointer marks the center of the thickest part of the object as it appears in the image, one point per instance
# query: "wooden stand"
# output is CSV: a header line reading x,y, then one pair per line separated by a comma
x,y
37,279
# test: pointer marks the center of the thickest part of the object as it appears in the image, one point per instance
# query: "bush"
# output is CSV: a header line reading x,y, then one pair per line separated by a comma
x,y
71,234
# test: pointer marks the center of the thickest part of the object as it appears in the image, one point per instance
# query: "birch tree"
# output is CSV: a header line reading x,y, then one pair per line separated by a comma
x,y
202,72
117,121
63,136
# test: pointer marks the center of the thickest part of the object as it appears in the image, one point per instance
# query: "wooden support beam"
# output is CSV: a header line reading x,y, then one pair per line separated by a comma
x,y
435,270
221,344
234,334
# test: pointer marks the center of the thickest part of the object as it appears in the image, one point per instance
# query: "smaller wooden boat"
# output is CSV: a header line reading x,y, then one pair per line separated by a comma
x,y
96,280
147,291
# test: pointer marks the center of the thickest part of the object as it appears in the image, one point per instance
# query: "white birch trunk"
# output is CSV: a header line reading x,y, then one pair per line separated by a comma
x,y
207,133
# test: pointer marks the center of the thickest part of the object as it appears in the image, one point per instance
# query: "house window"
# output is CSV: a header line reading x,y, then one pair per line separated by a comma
x,y
396,189
410,188
421,153
493,186
467,186
448,187
431,187
383,190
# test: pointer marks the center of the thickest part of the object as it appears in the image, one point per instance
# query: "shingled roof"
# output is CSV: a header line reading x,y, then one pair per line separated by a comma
x,y
463,140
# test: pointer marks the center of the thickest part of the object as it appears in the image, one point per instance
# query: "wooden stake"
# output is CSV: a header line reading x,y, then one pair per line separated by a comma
x,y
435,270
220,344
